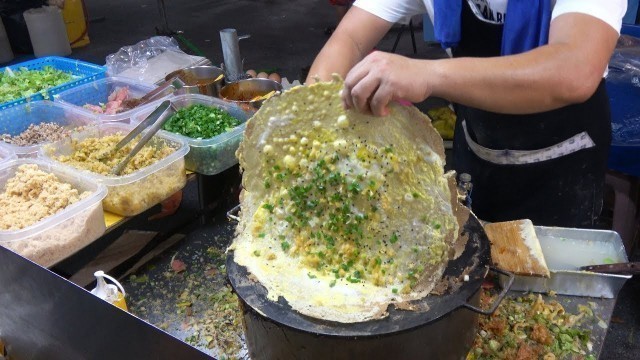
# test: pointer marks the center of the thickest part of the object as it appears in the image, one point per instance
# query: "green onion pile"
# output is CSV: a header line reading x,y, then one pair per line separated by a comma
x,y
200,122
25,82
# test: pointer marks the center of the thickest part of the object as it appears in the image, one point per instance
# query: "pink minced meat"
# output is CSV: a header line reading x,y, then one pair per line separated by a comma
x,y
118,101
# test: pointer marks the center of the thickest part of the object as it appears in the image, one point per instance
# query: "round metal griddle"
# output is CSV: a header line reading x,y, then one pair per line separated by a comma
x,y
474,261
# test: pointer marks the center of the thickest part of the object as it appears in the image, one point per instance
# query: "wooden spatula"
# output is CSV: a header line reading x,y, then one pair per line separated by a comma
x,y
516,248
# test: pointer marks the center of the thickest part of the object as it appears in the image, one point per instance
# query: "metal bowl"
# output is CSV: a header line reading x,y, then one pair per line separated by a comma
x,y
205,80
243,92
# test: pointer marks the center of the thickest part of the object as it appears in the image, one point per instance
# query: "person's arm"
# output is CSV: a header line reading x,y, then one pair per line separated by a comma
x,y
356,35
566,71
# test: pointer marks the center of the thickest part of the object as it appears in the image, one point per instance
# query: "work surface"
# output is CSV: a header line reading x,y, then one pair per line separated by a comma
x,y
184,292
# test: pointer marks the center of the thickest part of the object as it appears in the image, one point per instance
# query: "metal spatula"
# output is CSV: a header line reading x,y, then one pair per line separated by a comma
x,y
619,268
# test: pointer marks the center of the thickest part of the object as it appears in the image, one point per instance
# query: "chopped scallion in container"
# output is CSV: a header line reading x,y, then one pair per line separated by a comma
x,y
200,122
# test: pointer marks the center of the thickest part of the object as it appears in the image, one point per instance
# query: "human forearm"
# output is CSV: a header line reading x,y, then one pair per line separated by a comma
x,y
543,79
356,35
566,71
337,56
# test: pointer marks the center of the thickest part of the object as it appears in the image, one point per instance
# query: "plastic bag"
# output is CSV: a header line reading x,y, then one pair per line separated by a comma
x,y
623,87
624,65
149,61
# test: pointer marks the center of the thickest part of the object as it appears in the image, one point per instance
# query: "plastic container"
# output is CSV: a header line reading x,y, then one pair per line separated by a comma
x,y
6,154
82,72
75,20
97,92
134,193
47,31
15,120
214,155
58,236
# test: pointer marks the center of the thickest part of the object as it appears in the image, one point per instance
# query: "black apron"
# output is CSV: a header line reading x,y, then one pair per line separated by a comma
x,y
565,191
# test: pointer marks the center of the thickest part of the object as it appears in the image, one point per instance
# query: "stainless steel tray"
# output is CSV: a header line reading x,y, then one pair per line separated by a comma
x,y
565,250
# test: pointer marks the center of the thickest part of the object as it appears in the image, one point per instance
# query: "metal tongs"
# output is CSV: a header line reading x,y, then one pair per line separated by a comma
x,y
154,121
175,82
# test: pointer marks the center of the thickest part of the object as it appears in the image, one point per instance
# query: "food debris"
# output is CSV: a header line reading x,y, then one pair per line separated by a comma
x,y
528,327
196,304
178,265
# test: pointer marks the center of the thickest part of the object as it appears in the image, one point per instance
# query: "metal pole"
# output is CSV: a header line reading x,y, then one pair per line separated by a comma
x,y
231,53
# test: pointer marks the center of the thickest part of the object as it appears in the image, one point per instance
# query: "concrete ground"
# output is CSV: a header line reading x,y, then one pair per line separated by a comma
x,y
285,37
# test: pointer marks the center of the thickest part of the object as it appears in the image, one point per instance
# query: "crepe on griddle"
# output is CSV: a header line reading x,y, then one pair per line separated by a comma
x,y
343,213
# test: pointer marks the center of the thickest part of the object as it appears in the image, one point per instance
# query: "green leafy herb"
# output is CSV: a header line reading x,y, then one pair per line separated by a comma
x,y
200,122
285,246
25,82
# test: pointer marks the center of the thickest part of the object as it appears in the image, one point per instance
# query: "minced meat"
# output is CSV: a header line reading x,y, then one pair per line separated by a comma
x,y
31,195
37,134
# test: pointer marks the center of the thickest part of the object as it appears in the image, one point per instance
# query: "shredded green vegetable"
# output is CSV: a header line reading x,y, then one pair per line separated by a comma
x,y
200,122
25,82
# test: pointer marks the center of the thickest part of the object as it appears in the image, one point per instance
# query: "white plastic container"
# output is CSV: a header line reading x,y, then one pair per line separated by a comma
x,y
208,156
97,92
6,154
58,236
47,31
6,54
16,119
134,193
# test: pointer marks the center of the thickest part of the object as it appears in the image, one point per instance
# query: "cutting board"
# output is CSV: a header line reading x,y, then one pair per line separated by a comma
x,y
516,248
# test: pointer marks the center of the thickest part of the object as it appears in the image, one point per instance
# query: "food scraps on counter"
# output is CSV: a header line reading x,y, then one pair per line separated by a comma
x,y
200,122
98,154
25,82
528,327
117,102
195,304
37,134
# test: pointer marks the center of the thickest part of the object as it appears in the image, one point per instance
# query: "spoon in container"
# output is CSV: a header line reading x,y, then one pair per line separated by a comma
x,y
154,122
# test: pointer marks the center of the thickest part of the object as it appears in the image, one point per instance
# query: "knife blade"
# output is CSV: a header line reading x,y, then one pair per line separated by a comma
x,y
618,268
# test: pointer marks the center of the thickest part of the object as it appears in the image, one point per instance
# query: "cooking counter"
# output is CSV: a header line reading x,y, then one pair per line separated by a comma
x,y
183,291
181,303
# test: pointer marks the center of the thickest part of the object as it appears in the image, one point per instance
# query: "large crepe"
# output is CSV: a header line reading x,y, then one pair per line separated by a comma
x,y
343,213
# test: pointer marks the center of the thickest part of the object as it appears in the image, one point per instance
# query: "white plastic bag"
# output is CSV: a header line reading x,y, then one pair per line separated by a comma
x,y
149,61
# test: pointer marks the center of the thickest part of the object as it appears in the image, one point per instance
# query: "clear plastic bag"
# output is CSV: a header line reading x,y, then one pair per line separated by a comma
x,y
623,88
149,61
624,65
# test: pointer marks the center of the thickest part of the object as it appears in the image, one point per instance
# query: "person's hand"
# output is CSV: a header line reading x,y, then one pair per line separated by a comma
x,y
381,78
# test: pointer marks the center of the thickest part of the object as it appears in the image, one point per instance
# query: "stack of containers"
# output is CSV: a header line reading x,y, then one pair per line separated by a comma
x,y
15,120
96,93
207,156
55,237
